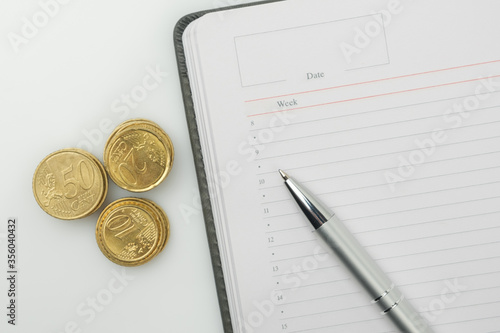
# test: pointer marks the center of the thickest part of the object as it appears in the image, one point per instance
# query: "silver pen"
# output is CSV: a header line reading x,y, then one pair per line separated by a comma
x,y
336,237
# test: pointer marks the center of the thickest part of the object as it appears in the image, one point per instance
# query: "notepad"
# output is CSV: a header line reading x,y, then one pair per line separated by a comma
x,y
389,112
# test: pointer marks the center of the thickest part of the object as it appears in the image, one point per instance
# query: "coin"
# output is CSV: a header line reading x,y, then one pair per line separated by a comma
x,y
132,231
70,184
138,155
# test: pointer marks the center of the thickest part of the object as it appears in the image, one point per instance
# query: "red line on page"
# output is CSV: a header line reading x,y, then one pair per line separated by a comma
x,y
373,96
373,81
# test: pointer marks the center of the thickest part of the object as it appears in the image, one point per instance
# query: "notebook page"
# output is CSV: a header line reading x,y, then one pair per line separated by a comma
x,y
396,128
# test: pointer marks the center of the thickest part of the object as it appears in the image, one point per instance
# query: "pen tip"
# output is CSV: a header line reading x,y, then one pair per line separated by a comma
x,y
283,174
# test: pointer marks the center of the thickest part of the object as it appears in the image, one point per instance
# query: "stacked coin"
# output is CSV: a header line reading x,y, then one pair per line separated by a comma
x,y
132,231
70,184
138,155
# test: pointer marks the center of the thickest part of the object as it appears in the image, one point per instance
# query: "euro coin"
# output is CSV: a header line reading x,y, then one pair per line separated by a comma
x,y
132,231
70,184
138,155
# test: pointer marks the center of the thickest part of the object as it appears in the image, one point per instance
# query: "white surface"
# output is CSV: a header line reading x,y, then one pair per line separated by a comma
x,y
63,82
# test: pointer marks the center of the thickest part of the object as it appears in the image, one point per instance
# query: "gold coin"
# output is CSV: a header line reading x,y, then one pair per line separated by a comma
x,y
131,231
138,155
124,130
70,184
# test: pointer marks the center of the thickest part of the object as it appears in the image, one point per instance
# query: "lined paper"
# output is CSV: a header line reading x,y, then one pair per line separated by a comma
x,y
405,151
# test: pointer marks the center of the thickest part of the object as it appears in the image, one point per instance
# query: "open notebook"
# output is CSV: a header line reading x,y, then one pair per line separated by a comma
x,y
389,111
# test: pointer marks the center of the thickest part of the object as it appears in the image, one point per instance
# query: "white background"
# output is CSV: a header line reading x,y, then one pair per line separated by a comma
x,y
59,83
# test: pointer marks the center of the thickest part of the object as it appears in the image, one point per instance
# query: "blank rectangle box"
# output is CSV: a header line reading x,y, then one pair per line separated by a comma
x,y
345,44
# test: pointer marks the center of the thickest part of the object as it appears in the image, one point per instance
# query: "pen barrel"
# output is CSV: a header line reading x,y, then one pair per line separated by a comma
x,y
339,239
